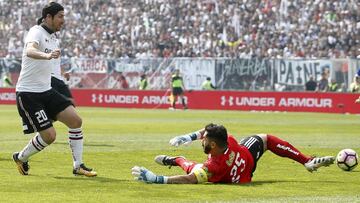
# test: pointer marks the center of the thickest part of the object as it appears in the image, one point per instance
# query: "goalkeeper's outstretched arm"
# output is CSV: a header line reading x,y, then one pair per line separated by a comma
x,y
187,138
182,179
145,175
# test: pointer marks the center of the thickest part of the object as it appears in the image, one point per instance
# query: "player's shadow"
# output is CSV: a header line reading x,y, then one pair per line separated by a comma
x,y
262,182
266,182
6,159
11,160
352,171
97,179
90,145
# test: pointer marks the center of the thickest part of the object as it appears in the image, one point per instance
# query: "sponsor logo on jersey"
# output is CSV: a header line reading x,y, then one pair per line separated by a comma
x,y
231,158
47,50
287,149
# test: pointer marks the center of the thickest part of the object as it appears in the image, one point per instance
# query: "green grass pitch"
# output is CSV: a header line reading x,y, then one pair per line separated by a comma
x,y
118,139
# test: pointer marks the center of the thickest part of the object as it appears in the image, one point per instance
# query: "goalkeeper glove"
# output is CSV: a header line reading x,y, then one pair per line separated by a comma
x,y
184,139
144,175
179,140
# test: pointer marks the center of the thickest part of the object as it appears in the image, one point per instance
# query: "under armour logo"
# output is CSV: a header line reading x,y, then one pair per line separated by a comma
x,y
224,100
98,98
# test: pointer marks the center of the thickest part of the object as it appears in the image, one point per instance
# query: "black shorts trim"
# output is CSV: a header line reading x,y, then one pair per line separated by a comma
x,y
256,147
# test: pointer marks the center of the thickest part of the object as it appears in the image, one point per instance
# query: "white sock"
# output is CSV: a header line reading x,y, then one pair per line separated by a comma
x,y
35,145
76,145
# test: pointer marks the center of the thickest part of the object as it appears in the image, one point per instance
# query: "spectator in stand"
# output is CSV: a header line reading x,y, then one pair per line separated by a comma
x,y
311,84
126,28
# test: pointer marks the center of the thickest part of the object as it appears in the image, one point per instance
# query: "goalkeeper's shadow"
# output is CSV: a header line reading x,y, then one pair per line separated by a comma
x,y
266,182
97,179
262,182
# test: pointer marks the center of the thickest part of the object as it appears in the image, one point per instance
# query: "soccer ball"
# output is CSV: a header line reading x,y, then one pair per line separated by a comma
x,y
347,159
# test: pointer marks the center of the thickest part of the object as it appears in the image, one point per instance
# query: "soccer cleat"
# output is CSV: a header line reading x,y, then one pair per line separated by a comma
x,y
167,160
83,170
318,162
23,167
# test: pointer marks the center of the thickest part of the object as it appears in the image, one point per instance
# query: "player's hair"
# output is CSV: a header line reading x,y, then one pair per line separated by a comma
x,y
51,8
217,133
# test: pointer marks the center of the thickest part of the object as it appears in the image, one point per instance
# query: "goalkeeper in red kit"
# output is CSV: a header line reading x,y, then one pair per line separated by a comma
x,y
228,161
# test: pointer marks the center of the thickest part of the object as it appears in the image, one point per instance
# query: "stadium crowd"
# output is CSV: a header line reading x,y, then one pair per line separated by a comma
x,y
187,28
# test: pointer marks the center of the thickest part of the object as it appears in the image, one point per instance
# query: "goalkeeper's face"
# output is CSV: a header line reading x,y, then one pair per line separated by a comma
x,y
206,144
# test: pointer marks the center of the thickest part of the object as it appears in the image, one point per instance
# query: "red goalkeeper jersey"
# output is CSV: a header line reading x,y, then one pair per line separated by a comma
x,y
234,166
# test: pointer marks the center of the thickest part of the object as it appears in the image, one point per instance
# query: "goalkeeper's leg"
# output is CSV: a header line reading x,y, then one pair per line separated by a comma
x,y
186,165
285,149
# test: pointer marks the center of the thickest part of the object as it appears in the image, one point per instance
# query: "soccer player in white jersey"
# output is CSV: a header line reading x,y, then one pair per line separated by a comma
x,y
38,104
58,83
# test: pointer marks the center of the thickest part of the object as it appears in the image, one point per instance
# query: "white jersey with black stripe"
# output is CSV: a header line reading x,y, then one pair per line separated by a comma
x,y
56,69
35,74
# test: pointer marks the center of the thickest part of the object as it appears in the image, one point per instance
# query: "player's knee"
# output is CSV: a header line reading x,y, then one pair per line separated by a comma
x,y
49,136
76,122
52,137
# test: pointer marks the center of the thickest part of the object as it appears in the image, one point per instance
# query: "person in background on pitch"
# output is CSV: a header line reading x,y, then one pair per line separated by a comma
x,y
143,82
355,85
7,82
177,89
123,82
207,85
38,104
333,86
228,161
323,84
58,78
311,84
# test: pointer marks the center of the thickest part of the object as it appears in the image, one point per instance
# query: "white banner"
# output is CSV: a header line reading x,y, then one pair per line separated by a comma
x,y
195,71
124,66
297,72
89,65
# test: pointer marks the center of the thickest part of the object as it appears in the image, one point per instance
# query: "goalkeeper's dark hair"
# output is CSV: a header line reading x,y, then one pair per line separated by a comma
x,y
217,133
51,8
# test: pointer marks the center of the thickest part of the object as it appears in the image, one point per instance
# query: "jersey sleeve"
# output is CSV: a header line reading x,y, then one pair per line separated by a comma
x,y
214,170
201,175
34,35
232,140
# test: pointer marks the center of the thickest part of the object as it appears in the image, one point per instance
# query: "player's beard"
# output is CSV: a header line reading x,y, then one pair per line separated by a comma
x,y
206,148
58,27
